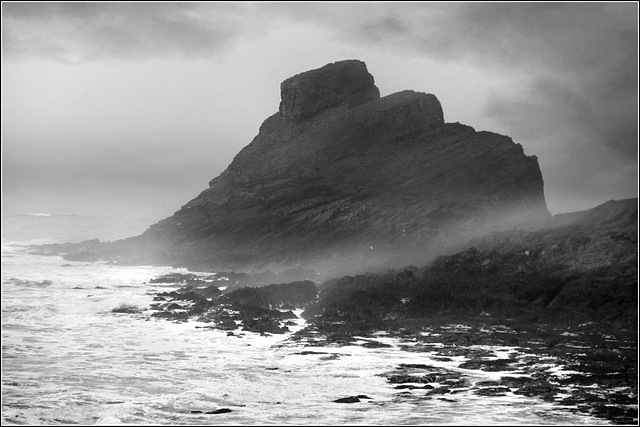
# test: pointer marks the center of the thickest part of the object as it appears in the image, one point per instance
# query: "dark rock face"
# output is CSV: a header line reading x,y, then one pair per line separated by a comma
x,y
295,295
340,180
308,93
585,271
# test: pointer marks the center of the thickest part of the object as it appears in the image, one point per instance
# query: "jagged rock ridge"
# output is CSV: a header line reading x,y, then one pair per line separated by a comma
x,y
340,176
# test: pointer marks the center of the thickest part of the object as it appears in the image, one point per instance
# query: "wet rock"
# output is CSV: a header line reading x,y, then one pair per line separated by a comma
x,y
220,411
515,382
416,366
412,387
581,397
226,324
460,390
295,294
401,379
184,296
489,383
308,352
334,356
128,309
264,324
199,307
341,337
623,397
418,348
423,374
489,365
172,315
458,383
407,396
439,390
375,344
474,353
352,399
539,388
209,291
493,391
619,415
288,315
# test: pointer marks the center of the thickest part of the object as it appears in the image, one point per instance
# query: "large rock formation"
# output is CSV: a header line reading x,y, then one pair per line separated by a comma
x,y
568,269
340,178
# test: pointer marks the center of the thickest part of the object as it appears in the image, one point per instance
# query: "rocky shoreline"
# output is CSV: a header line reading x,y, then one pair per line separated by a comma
x,y
560,298
589,367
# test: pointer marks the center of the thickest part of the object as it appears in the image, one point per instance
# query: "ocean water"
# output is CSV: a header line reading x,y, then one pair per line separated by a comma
x,y
45,227
68,359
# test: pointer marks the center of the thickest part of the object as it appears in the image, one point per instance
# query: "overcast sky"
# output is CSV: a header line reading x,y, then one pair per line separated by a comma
x,y
134,107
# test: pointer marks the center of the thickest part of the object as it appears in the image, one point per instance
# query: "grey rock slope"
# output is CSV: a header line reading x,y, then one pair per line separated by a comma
x,y
341,179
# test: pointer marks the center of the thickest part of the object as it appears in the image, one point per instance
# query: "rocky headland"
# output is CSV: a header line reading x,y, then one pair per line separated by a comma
x,y
341,180
373,214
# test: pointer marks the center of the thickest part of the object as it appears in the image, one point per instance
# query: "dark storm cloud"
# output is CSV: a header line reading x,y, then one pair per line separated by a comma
x,y
85,31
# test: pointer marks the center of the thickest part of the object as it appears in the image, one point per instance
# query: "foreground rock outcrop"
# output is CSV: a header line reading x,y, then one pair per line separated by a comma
x,y
562,272
562,293
559,295
341,180
262,309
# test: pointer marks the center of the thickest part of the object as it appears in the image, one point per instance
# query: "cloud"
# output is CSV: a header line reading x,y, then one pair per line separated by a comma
x,y
578,59
570,72
77,32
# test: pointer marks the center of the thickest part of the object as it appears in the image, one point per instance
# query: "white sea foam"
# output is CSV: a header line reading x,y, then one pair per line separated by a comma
x,y
67,358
